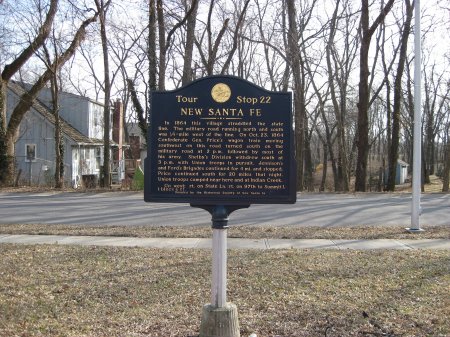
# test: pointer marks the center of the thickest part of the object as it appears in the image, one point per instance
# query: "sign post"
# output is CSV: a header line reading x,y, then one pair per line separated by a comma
x,y
220,318
219,219
417,138
221,144
219,268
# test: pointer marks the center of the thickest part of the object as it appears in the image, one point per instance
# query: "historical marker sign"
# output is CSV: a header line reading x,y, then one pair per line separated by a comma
x,y
220,140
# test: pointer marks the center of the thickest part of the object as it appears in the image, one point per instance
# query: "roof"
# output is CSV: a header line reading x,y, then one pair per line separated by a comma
x,y
27,86
134,129
66,128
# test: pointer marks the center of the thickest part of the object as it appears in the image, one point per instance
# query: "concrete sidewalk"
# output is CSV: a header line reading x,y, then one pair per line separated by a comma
x,y
233,243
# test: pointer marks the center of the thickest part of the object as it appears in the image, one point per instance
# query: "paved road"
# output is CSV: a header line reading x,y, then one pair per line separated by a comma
x,y
128,208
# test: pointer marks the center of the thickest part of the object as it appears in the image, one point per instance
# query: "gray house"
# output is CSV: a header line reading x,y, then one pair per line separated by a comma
x,y
82,132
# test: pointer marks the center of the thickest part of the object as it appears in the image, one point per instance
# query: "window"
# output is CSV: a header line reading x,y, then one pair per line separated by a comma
x,y
30,152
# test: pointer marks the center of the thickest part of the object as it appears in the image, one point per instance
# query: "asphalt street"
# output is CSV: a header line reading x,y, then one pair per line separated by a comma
x,y
129,208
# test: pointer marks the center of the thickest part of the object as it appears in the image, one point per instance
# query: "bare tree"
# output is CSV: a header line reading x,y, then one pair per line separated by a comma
x,y
93,80
160,46
164,41
141,112
300,116
210,57
437,92
398,94
446,169
102,9
270,21
55,89
364,92
236,34
386,142
28,97
152,69
6,137
339,60
190,38
296,42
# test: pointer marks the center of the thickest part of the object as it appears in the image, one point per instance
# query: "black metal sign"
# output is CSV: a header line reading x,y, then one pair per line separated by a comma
x,y
220,140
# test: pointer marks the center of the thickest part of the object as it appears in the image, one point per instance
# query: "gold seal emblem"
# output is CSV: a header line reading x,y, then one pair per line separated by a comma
x,y
221,92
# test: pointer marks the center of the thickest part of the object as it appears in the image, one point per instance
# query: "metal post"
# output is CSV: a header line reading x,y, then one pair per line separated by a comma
x,y
219,318
219,256
219,268
417,138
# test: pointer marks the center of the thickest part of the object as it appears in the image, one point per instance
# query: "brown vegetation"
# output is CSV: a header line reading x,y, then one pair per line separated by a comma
x,y
78,291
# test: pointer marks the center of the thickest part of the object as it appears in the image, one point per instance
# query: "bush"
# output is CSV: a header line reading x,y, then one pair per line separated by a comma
x,y
138,180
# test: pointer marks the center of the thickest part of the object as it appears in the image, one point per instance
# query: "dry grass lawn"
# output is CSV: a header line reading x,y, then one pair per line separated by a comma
x,y
250,232
52,290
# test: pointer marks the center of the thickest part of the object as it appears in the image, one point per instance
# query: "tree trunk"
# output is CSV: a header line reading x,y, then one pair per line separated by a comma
x,y
363,103
102,8
4,159
10,141
429,148
152,70
142,122
162,45
362,141
190,37
294,54
164,42
342,176
209,61
59,145
235,38
308,179
54,89
398,95
324,167
446,171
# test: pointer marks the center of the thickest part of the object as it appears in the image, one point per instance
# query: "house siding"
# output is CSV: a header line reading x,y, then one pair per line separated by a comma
x,y
36,130
72,111
82,130
81,112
